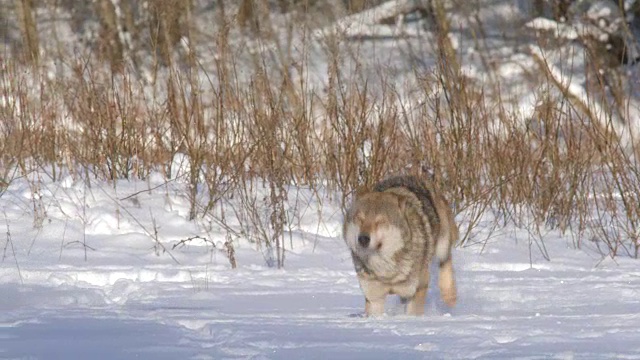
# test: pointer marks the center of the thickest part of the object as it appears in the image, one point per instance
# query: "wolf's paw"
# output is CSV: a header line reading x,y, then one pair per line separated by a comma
x,y
449,297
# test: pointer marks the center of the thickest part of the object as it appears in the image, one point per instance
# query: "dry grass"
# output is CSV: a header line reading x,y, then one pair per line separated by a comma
x,y
273,132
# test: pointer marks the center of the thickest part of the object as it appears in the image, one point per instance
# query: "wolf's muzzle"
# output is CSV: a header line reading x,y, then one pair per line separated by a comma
x,y
364,240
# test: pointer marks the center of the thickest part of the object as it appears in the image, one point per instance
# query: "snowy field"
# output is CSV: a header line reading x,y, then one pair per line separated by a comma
x,y
92,283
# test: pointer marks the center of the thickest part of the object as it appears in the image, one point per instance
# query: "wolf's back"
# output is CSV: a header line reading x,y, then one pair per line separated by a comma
x,y
419,189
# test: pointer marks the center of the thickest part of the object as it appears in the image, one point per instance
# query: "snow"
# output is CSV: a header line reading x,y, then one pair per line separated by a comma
x,y
367,23
560,30
123,297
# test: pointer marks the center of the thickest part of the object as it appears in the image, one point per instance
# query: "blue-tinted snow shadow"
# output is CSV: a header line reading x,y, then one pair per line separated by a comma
x,y
61,336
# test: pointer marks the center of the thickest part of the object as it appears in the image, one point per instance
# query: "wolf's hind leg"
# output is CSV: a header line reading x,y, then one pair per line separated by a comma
x,y
447,283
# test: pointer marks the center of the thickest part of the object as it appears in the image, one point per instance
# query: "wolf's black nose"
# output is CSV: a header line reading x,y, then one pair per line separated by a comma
x,y
364,240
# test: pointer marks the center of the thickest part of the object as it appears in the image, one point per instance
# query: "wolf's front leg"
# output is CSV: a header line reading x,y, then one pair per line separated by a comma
x,y
415,305
374,307
374,295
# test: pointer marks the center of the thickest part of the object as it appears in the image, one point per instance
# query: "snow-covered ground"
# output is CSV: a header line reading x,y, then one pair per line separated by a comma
x,y
124,297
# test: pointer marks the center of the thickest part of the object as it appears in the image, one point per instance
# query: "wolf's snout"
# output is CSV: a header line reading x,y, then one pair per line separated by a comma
x,y
364,240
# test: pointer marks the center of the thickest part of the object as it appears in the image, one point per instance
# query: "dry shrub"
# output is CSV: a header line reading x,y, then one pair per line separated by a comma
x,y
250,139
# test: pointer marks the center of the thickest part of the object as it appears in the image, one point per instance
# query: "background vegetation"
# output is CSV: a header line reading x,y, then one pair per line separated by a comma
x,y
263,97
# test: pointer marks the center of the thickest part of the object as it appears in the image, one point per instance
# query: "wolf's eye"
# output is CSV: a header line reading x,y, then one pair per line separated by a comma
x,y
381,221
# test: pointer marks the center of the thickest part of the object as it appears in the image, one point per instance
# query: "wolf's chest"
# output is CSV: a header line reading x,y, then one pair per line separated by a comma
x,y
406,289
376,288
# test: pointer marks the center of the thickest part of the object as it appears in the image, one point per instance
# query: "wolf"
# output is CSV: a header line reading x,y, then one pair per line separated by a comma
x,y
393,232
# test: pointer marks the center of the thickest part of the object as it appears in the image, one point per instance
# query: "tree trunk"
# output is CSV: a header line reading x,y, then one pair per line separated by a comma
x,y
168,26
110,43
29,30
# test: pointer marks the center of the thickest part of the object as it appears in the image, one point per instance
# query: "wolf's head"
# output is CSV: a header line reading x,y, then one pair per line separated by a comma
x,y
374,229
